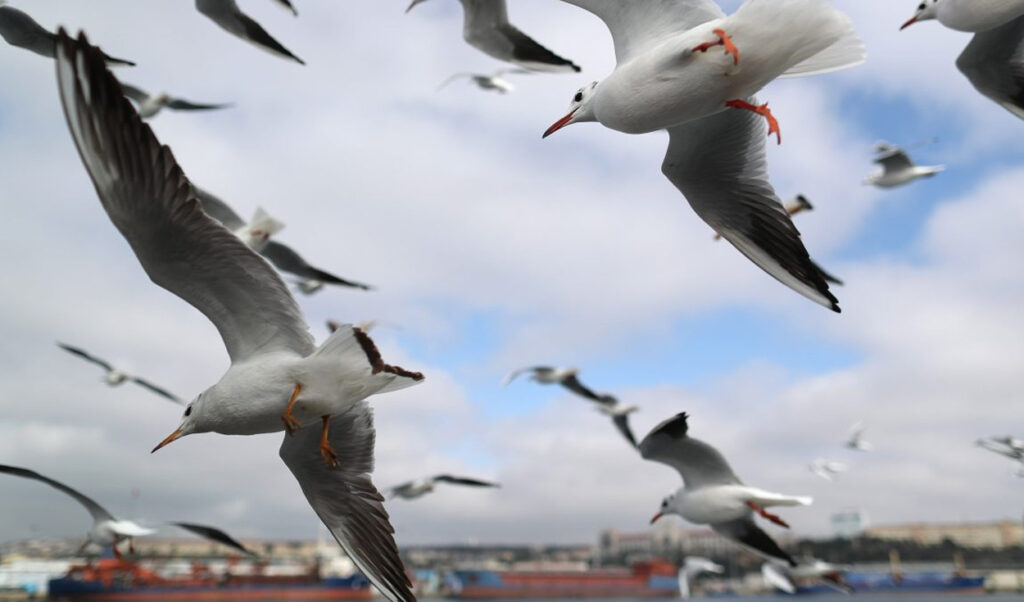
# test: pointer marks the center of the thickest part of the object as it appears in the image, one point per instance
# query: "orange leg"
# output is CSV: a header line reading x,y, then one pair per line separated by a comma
x,y
117,553
131,545
763,110
723,40
772,517
290,423
326,451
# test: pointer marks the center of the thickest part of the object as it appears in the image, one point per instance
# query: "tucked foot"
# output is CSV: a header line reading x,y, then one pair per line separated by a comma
x,y
117,553
768,515
131,546
763,110
290,423
723,40
326,451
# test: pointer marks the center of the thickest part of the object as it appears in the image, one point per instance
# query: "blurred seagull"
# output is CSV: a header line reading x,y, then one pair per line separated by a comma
x,y
278,380
782,577
619,413
712,494
23,31
692,567
494,81
855,438
151,104
897,168
257,234
547,375
109,531
114,377
1010,447
487,29
826,469
230,18
968,15
414,489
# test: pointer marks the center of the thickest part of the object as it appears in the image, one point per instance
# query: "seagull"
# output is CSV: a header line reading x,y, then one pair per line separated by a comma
x,y
619,413
494,81
692,567
547,375
897,167
414,489
230,18
487,29
712,494
109,531
968,15
151,104
257,233
782,577
994,64
114,377
278,379
23,31
1005,446
855,439
826,469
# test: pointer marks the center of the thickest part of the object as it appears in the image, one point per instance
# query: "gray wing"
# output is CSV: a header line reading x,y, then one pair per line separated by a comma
x,y
216,535
894,159
287,260
218,209
152,204
158,390
487,29
531,55
180,104
447,478
573,384
750,535
719,165
622,423
827,276
345,499
288,5
637,26
98,513
230,18
994,63
136,94
517,373
23,31
699,464
85,356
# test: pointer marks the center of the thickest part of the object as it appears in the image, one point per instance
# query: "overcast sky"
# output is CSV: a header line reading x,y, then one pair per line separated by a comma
x,y
492,249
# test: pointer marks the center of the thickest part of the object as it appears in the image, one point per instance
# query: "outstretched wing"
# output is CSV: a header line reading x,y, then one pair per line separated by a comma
x,y
994,64
98,513
287,260
750,535
158,390
622,423
230,17
699,464
517,373
82,353
447,478
215,534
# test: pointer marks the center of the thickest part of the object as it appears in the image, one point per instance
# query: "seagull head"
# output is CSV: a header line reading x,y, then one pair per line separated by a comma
x,y
667,507
928,9
190,423
580,109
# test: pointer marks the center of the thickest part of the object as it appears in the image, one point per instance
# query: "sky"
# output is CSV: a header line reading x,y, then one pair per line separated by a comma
x,y
492,249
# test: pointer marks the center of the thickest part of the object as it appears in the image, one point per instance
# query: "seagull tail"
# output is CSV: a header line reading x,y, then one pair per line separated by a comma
x,y
766,499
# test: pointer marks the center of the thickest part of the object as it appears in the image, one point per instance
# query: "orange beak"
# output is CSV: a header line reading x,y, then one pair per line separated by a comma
x,y
656,517
175,435
561,123
909,23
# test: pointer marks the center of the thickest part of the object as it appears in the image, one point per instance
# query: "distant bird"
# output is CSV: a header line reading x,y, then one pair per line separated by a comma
x,y
826,469
23,31
114,376
257,234
1010,447
109,531
855,439
547,375
783,577
486,28
619,413
897,168
495,81
692,567
414,489
229,17
151,104
712,494
329,440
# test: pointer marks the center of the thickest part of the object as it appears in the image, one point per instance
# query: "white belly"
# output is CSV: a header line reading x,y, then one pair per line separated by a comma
x,y
712,505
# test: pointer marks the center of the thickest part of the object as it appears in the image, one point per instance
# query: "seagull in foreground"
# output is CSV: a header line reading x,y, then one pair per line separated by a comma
x,y
495,81
712,494
23,31
855,438
692,567
257,234
782,577
109,531
278,379
716,156
897,167
151,104
114,377
826,469
229,17
414,489
486,28
968,15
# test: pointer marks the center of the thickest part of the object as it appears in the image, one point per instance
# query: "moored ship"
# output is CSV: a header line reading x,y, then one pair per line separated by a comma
x,y
648,580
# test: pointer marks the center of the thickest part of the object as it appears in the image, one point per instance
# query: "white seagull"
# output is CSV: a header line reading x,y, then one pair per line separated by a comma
x,y
486,28
692,567
897,167
782,577
278,379
712,494
151,104
495,81
257,234
968,15
548,375
229,17
826,469
855,438
413,489
114,376
109,531
23,31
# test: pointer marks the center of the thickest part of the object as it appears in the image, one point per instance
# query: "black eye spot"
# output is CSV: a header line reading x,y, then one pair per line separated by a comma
x,y
188,411
578,97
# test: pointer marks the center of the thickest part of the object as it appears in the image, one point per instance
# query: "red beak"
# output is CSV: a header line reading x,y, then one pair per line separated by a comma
x,y
561,123
175,435
909,23
656,517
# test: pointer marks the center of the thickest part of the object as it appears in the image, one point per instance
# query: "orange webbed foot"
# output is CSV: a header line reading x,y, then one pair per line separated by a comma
x,y
764,111
723,40
290,423
326,450
768,515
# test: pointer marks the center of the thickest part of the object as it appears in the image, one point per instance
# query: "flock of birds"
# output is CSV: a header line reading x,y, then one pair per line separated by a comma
x,y
683,66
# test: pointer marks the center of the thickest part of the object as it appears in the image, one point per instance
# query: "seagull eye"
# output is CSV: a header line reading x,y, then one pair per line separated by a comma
x,y
188,411
578,97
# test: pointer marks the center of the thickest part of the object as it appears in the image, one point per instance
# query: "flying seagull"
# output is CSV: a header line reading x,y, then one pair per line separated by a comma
x,y
619,413
692,567
23,31
109,531
114,377
783,577
855,438
151,104
414,489
547,375
495,81
257,234
826,469
712,494
487,29
229,17
278,380
897,168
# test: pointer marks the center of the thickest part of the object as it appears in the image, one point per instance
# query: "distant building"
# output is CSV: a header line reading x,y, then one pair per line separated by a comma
x,y
667,539
849,524
994,535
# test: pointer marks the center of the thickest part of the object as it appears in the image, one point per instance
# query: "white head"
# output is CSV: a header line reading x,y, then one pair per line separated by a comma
x,y
580,109
928,9
191,421
667,507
